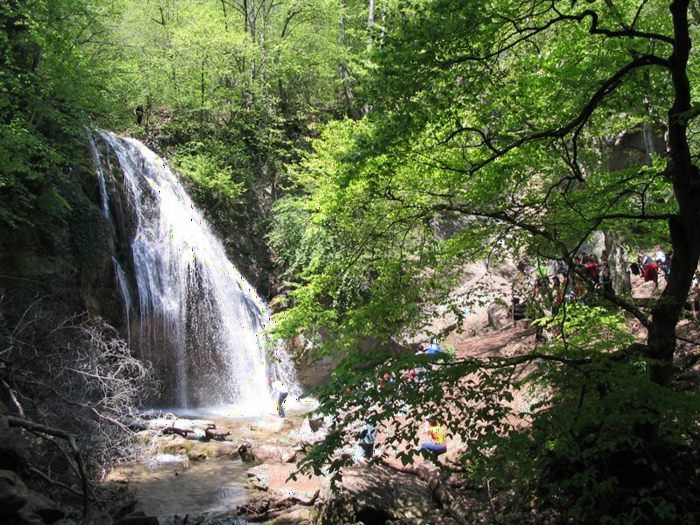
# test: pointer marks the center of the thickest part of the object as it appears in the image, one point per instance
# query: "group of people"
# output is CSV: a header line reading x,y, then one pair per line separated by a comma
x,y
589,273
435,443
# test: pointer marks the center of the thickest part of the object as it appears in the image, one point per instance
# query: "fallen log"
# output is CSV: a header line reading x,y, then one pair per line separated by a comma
x,y
187,428
180,424
216,435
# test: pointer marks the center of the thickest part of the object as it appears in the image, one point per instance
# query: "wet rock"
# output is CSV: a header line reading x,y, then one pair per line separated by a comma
x,y
257,478
272,424
278,303
13,493
197,455
175,444
223,449
244,451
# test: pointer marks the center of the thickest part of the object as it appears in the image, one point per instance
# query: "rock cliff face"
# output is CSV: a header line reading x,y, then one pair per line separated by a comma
x,y
68,260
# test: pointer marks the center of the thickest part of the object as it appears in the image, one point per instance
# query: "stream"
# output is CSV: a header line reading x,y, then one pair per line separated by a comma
x,y
206,480
208,489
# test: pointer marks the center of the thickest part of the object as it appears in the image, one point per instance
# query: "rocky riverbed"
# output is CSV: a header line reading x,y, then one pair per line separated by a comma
x,y
246,478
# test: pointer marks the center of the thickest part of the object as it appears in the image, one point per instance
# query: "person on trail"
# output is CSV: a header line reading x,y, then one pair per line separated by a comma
x,y
605,277
666,265
591,268
649,268
519,292
279,388
694,295
557,293
366,439
436,438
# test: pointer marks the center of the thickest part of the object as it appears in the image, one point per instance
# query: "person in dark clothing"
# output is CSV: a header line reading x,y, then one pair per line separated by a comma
x,y
367,439
605,276
279,388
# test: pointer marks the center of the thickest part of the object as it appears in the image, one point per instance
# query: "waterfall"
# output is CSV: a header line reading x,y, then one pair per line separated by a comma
x,y
200,322
99,168
123,285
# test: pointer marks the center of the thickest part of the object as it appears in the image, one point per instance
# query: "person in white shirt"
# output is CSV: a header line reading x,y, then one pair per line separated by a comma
x,y
279,388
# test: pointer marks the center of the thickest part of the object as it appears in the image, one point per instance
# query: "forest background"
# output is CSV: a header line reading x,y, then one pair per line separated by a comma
x,y
326,139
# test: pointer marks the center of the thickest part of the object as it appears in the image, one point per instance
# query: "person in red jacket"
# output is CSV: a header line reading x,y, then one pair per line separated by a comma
x,y
649,268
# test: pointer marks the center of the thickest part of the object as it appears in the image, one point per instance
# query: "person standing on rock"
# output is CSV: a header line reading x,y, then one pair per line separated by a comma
x,y
279,388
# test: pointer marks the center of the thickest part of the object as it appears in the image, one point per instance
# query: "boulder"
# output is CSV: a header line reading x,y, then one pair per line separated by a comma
x,y
27,517
499,316
274,478
14,454
47,509
269,453
124,509
295,516
269,424
315,423
378,494
244,451
13,493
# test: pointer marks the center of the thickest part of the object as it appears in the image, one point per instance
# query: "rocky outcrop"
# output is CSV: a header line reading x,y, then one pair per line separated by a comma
x,y
477,302
313,370
379,494
21,505
13,493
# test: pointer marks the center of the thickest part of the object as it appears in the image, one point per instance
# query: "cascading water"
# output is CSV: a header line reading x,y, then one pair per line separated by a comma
x,y
200,322
123,285
99,168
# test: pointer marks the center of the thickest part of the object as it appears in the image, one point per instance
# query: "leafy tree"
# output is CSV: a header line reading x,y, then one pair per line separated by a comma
x,y
48,86
502,115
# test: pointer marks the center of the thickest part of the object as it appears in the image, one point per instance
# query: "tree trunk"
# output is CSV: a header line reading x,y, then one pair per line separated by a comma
x,y
383,35
683,228
345,75
223,7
